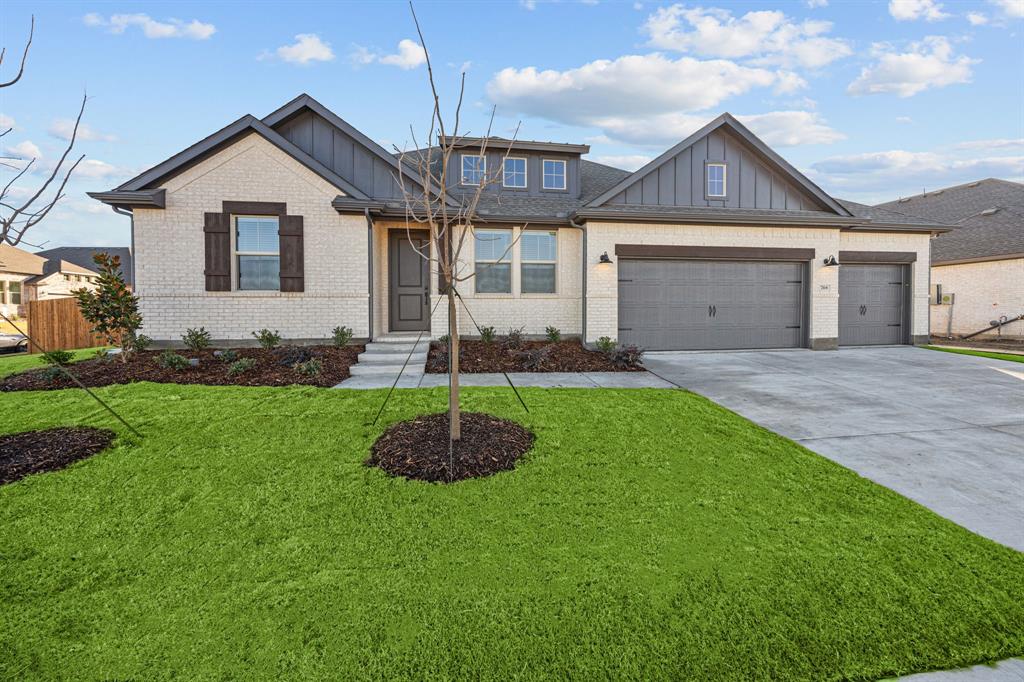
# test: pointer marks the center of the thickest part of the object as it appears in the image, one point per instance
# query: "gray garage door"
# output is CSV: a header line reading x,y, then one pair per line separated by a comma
x,y
871,304
704,305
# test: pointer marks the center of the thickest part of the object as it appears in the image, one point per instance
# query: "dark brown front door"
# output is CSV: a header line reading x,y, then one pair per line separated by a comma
x,y
408,281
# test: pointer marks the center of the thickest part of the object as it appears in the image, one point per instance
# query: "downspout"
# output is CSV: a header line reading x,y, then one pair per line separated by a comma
x,y
369,269
131,243
583,268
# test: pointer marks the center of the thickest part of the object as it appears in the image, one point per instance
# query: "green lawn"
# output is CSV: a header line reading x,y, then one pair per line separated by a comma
x,y
18,362
980,353
648,535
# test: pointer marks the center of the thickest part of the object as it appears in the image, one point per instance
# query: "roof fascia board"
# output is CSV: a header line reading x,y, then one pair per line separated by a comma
x,y
131,199
837,222
898,227
524,145
978,259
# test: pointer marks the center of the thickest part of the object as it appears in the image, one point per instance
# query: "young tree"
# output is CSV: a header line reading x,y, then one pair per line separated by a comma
x,y
112,309
447,217
17,215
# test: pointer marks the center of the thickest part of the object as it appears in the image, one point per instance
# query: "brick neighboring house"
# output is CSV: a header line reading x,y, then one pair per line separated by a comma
x,y
296,222
981,261
58,280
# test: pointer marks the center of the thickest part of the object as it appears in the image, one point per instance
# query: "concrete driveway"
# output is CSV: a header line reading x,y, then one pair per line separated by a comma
x,y
944,430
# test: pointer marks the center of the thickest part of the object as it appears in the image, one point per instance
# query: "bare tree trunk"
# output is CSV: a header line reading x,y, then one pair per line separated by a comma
x,y
454,420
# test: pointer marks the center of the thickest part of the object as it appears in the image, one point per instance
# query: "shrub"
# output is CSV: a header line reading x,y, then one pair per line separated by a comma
x,y
268,339
240,366
342,335
533,359
514,338
228,355
627,357
140,342
310,368
171,360
58,357
487,334
196,339
605,344
53,373
554,334
111,308
446,339
289,356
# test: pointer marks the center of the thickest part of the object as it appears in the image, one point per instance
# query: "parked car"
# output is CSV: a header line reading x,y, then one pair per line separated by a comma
x,y
13,343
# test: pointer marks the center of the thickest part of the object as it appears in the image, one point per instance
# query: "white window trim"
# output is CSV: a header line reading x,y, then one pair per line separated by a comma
x,y
504,257
526,172
725,180
235,253
523,262
462,169
565,175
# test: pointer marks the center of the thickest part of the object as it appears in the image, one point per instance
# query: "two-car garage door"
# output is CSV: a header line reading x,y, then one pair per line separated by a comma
x,y
711,304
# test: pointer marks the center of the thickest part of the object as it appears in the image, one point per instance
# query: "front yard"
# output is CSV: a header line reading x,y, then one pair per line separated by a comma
x,y
647,534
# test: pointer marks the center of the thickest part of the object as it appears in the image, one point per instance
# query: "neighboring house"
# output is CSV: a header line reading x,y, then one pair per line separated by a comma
x,y
980,262
16,266
296,222
82,256
59,279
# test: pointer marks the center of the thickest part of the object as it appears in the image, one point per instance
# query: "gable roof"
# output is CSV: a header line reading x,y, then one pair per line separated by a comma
x,y
728,121
987,217
13,259
82,257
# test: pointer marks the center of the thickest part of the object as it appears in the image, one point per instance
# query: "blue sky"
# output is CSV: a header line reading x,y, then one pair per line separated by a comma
x,y
872,99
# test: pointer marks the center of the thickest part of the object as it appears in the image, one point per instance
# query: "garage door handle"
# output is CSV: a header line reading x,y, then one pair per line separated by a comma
x,y
863,310
709,311
714,311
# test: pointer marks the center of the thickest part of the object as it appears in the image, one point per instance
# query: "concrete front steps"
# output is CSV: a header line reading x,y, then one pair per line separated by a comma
x,y
383,359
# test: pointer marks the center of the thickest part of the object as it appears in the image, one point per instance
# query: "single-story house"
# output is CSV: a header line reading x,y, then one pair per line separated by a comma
x,y
978,267
16,266
296,222
82,256
59,279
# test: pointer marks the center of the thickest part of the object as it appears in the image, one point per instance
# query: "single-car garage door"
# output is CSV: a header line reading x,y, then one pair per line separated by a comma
x,y
871,304
710,304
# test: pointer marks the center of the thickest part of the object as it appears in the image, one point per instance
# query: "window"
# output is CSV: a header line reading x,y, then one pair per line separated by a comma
x,y
515,173
554,174
493,267
67,278
257,249
3,292
474,169
716,179
538,252
14,298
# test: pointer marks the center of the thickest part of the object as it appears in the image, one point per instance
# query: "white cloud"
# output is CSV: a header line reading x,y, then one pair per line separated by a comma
x,y
62,129
1012,8
929,63
151,28
95,169
791,128
1001,143
904,119
25,151
977,18
769,37
6,122
628,162
410,55
911,10
816,3
528,5
307,48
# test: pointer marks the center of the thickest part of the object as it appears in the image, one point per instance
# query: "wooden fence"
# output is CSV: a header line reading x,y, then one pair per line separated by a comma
x,y
58,324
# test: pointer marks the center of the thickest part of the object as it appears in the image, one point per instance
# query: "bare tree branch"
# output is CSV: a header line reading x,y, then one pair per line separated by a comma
x,y
24,55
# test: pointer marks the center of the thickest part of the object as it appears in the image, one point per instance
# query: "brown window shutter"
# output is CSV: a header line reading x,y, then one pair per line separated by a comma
x,y
217,232
292,262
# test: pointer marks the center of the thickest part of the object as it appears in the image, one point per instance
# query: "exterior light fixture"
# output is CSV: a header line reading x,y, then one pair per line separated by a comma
x,y
831,262
604,259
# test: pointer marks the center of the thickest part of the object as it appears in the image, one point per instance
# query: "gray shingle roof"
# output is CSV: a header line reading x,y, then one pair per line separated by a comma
x,y
886,216
82,257
979,231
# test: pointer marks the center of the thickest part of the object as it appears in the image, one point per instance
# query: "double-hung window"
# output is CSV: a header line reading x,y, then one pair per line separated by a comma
x,y
716,179
14,294
538,255
515,173
257,250
493,264
474,169
554,174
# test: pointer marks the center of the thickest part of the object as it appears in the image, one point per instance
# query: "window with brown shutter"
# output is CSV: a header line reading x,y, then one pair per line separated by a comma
x,y
217,233
288,260
292,260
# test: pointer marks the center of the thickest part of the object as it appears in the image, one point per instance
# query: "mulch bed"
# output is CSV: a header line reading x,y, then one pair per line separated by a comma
x,y
988,343
34,452
272,368
531,356
419,448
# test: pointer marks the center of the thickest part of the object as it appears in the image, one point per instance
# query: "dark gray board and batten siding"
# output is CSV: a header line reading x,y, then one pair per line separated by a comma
x,y
751,183
347,157
534,169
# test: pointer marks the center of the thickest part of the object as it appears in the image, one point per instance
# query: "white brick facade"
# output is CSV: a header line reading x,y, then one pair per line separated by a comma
x,y
982,292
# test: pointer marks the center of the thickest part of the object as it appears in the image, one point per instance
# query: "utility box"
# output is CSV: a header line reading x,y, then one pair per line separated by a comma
x,y
940,297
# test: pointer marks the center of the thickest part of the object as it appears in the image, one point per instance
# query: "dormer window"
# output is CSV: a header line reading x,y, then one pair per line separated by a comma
x,y
474,169
554,174
515,173
716,180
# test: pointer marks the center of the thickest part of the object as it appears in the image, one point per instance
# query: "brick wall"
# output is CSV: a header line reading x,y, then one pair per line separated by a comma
x,y
983,292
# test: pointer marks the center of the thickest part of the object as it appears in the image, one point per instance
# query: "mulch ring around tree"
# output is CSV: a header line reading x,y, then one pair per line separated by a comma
x,y
530,356
34,452
275,367
419,448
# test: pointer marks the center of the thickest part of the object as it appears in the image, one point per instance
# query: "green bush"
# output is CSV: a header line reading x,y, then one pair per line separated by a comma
x,y
606,344
554,334
514,338
268,339
140,342
342,335
228,355
311,367
241,366
53,373
58,357
196,339
487,334
171,360
111,309
445,339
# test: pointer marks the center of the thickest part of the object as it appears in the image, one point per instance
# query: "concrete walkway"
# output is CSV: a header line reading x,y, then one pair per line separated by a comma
x,y
520,379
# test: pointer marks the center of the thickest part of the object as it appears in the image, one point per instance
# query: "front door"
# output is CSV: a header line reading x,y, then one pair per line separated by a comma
x,y
408,281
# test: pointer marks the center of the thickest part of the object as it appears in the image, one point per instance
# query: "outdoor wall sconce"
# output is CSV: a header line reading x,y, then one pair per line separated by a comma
x,y
831,262
604,259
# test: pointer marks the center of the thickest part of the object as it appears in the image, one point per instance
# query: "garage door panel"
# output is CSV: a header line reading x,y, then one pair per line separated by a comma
x,y
753,304
871,304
